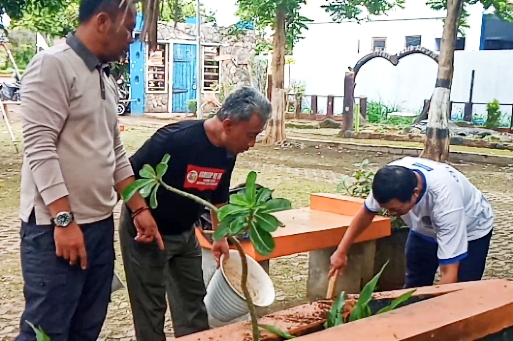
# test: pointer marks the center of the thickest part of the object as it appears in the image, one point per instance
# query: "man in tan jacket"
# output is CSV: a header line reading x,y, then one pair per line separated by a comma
x,y
74,164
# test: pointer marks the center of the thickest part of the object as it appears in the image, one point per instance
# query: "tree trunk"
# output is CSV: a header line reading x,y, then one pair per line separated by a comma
x,y
275,131
436,146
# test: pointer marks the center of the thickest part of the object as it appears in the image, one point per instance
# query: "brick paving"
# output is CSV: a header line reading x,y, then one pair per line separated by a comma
x,y
290,271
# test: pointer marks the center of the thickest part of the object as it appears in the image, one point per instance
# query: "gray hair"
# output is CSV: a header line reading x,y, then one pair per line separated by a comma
x,y
243,103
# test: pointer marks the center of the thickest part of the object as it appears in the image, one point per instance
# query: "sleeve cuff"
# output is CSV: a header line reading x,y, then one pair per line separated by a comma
x,y
122,173
453,260
57,191
368,209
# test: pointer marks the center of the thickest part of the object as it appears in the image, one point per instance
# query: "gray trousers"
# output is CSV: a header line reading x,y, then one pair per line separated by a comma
x,y
151,273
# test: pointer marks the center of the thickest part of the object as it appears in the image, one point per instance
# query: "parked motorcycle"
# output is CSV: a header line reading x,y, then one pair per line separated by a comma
x,y
124,96
11,91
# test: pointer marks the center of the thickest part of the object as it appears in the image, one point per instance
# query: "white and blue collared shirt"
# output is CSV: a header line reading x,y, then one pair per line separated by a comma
x,y
450,210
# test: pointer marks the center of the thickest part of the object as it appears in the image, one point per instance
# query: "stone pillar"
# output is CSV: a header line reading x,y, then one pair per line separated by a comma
x,y
359,270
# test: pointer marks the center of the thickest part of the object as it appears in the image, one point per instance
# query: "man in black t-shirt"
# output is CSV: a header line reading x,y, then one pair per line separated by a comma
x,y
203,155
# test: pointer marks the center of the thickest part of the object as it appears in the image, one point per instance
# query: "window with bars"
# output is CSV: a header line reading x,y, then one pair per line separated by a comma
x,y
379,44
413,41
211,68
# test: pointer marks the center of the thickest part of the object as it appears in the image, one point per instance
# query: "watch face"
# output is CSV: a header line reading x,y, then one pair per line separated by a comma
x,y
63,219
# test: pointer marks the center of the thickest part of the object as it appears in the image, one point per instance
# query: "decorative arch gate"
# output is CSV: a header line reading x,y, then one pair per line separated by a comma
x,y
349,79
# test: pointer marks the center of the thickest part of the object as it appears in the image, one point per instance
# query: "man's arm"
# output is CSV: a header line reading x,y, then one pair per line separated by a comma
x,y
43,115
452,243
448,217
221,197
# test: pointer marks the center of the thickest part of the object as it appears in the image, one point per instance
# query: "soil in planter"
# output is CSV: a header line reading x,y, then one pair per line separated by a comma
x,y
233,271
504,335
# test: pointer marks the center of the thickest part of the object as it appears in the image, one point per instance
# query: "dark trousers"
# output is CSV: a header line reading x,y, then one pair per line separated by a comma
x,y
68,303
422,260
152,273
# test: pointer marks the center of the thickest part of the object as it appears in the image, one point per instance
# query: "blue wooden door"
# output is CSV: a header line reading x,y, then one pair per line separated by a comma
x,y
184,76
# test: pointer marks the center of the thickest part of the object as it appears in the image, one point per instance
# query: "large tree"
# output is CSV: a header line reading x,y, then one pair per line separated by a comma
x,y
15,8
40,19
437,141
282,16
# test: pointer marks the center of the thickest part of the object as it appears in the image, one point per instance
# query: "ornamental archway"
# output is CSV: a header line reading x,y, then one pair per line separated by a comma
x,y
349,79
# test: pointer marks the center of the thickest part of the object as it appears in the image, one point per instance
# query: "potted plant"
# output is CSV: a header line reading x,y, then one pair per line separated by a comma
x,y
192,106
391,248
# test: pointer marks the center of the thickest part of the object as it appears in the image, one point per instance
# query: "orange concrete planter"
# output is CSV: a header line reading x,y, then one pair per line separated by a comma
x,y
461,311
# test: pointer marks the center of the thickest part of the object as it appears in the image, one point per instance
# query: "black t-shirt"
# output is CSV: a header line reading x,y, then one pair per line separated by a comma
x,y
196,166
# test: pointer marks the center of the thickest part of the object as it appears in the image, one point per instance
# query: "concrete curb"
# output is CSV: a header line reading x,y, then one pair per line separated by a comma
x,y
407,151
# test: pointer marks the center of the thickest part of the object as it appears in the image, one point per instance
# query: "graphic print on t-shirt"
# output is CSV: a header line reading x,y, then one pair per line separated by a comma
x,y
203,178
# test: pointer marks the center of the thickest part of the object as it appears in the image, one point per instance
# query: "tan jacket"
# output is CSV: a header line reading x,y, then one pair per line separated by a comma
x,y
70,135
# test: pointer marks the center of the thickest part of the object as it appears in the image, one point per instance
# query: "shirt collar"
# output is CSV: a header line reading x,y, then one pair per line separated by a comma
x,y
91,61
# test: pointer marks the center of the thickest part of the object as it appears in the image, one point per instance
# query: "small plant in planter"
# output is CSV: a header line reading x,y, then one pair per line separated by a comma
x,y
359,185
343,311
249,211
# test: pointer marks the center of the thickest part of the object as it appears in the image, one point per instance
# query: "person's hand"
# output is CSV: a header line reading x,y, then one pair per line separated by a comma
x,y
147,230
219,248
70,244
338,263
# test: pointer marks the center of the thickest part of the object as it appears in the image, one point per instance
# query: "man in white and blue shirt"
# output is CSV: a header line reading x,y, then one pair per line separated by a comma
x,y
450,220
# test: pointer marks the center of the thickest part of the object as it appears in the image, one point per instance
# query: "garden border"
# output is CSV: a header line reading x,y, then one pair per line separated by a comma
x,y
405,151
470,311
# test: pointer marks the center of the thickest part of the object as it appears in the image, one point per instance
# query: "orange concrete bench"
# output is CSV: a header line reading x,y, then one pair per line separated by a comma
x,y
320,227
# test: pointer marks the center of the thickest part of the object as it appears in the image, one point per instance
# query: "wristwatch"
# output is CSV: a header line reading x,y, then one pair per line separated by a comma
x,y
63,219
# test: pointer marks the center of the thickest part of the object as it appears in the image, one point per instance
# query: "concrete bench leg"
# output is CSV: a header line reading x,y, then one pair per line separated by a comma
x,y
358,272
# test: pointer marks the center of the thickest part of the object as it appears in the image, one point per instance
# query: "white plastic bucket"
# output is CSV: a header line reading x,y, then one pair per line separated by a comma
x,y
224,302
117,284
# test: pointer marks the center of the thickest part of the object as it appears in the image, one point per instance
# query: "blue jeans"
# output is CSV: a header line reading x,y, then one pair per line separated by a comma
x,y
68,303
422,260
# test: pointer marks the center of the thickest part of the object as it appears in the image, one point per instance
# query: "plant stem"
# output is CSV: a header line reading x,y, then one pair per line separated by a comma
x,y
244,279
238,246
188,196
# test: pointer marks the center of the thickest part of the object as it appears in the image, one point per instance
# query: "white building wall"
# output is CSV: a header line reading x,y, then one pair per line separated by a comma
x,y
322,58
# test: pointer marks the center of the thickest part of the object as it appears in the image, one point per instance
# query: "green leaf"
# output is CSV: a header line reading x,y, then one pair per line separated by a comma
x,y
153,198
146,190
238,225
335,317
40,334
395,303
161,170
361,308
277,331
276,205
223,229
267,222
135,187
147,172
165,159
238,199
230,210
250,187
262,240
263,195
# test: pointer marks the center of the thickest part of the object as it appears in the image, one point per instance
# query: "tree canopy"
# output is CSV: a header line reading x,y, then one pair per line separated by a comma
x,y
263,14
